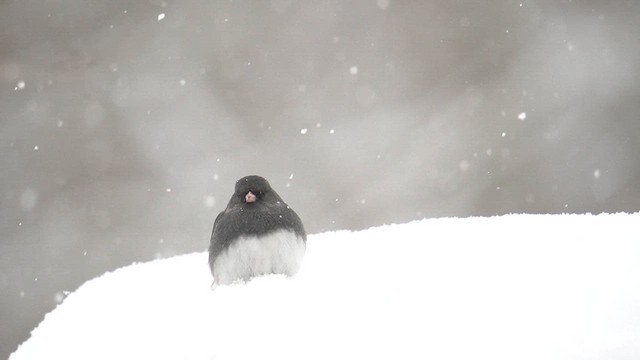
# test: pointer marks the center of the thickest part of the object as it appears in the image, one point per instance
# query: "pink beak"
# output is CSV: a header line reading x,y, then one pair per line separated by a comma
x,y
250,197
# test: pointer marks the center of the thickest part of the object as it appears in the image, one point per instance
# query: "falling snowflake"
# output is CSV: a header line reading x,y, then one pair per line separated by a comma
x,y
464,165
597,174
209,201
383,4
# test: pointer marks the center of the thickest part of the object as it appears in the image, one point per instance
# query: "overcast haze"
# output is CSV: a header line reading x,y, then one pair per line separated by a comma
x,y
124,125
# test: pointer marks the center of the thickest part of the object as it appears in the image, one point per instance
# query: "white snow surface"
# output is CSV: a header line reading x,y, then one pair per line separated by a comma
x,y
509,287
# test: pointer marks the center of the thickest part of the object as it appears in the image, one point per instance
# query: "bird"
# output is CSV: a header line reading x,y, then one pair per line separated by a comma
x,y
257,234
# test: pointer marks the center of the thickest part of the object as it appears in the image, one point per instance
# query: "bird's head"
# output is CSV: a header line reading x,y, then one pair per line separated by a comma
x,y
252,189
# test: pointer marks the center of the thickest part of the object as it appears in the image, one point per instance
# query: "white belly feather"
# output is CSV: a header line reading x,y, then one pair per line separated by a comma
x,y
279,252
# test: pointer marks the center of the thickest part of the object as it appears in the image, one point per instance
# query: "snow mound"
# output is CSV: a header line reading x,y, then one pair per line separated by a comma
x,y
510,287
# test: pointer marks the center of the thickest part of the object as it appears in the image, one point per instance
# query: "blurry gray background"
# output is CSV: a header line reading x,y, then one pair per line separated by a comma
x,y
124,124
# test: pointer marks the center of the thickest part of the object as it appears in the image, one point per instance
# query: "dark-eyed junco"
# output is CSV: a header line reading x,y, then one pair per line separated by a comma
x,y
257,234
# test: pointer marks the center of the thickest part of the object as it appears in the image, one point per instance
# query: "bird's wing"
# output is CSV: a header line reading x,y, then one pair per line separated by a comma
x,y
215,223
